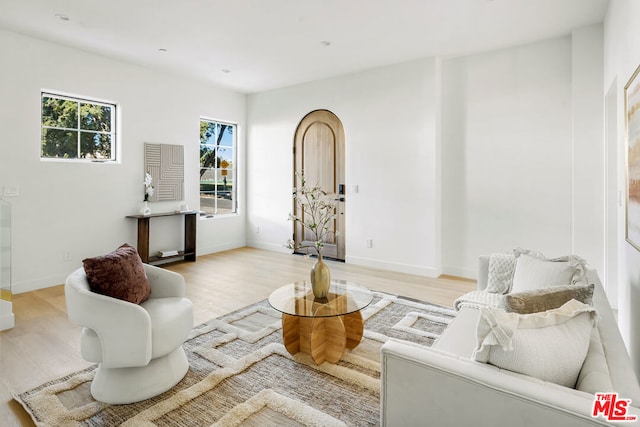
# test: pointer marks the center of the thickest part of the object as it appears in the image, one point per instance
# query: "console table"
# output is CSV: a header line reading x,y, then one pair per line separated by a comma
x,y
189,252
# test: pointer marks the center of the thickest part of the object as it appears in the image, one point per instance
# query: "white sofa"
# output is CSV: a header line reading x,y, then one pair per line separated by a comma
x,y
442,386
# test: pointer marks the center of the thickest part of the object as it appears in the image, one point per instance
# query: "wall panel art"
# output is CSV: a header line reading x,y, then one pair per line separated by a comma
x,y
165,163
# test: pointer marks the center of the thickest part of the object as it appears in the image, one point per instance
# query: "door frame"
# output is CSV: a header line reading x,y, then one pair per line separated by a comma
x,y
335,124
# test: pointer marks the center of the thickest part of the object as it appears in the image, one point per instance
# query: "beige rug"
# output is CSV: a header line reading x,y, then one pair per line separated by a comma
x,y
241,375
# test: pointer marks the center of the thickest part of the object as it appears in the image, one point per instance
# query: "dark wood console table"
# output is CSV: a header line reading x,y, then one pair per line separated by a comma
x,y
189,252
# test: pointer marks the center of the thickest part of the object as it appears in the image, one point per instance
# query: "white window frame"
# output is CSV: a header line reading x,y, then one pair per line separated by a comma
x,y
234,171
115,136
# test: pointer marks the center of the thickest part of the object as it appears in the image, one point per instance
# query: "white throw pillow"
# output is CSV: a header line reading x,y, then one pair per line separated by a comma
x,y
533,271
501,269
550,346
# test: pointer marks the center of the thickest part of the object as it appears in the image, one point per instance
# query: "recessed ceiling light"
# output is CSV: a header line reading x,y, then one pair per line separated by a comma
x,y
325,43
61,17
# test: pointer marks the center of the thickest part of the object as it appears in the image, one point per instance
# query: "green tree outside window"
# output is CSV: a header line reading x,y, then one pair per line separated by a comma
x,y
74,128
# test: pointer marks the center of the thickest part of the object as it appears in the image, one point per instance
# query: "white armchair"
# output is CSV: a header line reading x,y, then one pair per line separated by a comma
x,y
138,347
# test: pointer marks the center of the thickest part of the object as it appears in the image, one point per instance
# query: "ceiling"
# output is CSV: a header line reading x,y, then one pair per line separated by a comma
x,y
257,45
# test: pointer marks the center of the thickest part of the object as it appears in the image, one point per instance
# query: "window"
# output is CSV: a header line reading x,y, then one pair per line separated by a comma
x,y
218,174
78,129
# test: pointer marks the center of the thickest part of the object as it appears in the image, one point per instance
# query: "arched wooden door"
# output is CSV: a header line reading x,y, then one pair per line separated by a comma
x,y
319,152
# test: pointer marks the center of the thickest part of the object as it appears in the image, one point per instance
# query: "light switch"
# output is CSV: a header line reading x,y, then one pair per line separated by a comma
x,y
11,191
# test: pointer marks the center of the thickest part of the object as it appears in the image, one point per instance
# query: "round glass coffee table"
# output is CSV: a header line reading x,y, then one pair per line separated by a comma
x,y
321,327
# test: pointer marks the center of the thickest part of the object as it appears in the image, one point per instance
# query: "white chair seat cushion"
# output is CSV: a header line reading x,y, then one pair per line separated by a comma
x,y
171,323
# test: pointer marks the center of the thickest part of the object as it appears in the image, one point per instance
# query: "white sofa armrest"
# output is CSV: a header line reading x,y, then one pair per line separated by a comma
x,y
422,386
124,328
483,272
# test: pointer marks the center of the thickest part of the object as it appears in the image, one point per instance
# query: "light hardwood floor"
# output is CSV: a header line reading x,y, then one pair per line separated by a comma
x,y
44,345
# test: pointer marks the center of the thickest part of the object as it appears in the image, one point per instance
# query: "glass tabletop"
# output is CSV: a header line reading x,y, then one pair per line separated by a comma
x,y
296,299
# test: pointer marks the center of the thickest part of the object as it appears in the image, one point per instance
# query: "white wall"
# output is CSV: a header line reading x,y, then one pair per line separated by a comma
x,y
622,56
588,148
507,164
389,118
521,151
506,153
80,208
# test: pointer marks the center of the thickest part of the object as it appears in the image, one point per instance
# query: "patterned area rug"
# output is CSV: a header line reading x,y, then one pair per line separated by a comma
x,y
241,375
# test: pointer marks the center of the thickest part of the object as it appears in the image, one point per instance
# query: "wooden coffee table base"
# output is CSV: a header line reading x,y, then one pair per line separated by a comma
x,y
324,338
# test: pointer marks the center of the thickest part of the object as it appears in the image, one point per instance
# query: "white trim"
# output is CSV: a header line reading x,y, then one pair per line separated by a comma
x,y
268,246
206,250
75,96
394,266
209,217
466,273
224,122
7,319
63,160
39,283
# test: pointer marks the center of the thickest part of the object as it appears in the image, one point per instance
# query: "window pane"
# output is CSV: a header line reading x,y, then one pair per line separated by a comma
x,y
60,113
207,190
207,204
95,145
207,156
208,133
75,128
95,117
225,154
226,136
59,143
217,158
207,180
225,191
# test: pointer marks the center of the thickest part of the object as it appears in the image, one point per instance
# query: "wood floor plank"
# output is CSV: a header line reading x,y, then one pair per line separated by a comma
x,y
44,345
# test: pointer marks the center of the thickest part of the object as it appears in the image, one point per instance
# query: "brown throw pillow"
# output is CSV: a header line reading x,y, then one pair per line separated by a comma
x,y
119,274
547,298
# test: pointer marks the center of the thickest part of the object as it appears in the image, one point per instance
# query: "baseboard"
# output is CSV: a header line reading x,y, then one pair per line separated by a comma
x,y
7,319
393,266
268,246
466,273
41,283
220,248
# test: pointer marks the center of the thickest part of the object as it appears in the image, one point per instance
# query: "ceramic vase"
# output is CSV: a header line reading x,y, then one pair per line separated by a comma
x,y
145,210
320,278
